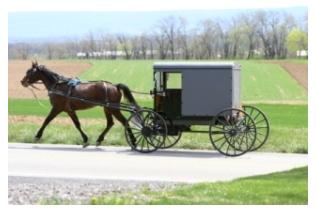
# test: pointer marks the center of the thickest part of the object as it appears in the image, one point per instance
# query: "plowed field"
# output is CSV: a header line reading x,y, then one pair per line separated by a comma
x,y
17,69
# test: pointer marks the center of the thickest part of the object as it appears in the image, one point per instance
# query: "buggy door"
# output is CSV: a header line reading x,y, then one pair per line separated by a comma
x,y
173,90
205,91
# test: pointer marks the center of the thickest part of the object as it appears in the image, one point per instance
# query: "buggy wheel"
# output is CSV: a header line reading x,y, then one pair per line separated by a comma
x,y
261,123
170,140
232,132
145,131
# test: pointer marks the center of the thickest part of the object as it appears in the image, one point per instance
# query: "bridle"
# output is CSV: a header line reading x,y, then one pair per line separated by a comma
x,y
33,86
34,94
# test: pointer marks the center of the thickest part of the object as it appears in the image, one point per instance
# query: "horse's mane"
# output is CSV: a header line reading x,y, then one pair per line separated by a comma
x,y
52,75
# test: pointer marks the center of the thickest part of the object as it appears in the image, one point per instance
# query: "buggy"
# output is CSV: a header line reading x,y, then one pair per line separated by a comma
x,y
189,94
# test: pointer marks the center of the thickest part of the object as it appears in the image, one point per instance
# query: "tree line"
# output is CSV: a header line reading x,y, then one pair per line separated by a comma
x,y
258,34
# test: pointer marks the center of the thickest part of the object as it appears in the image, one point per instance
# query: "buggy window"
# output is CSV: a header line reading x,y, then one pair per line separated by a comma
x,y
158,82
173,80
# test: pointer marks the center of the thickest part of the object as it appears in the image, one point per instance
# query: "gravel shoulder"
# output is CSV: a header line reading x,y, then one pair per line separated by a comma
x,y
37,190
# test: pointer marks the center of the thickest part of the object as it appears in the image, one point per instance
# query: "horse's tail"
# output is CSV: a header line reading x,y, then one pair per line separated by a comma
x,y
127,94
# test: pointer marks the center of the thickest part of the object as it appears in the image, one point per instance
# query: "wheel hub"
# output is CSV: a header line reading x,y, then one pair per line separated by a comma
x,y
146,131
233,132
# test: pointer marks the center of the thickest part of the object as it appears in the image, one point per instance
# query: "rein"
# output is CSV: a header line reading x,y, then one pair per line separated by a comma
x,y
135,92
34,95
139,92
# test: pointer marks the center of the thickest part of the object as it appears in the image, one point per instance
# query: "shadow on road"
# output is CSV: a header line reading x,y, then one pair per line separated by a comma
x,y
62,149
173,153
128,151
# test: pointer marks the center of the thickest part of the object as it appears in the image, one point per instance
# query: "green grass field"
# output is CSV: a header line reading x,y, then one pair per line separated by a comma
x,y
32,107
283,188
260,81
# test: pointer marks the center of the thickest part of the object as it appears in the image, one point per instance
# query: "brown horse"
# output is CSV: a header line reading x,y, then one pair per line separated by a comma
x,y
97,92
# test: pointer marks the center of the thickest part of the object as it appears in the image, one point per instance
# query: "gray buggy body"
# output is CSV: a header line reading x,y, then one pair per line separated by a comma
x,y
203,90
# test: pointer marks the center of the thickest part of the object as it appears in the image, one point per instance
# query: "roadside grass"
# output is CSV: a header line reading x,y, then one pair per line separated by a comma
x,y
289,187
289,132
65,134
287,140
279,114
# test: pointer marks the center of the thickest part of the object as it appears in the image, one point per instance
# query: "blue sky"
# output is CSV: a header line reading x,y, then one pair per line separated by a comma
x,y
29,26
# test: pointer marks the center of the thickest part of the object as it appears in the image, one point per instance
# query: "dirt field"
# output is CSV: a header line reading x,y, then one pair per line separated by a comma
x,y
298,71
17,69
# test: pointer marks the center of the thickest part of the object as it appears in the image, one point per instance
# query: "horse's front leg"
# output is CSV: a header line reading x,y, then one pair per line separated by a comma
x,y
110,123
76,122
53,113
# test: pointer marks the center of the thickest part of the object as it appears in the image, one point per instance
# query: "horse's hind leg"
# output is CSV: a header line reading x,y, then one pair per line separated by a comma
x,y
110,123
53,113
76,122
123,121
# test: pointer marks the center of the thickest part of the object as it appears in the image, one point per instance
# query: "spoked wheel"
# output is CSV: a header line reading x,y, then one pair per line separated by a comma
x,y
261,123
170,140
232,132
145,131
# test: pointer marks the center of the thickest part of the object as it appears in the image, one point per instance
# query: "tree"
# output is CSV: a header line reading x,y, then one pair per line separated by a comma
x,y
23,50
144,43
183,39
50,50
171,28
135,47
162,44
209,38
249,30
125,44
265,33
91,42
297,40
110,44
235,36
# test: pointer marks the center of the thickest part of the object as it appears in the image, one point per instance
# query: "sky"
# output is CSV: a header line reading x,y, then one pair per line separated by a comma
x,y
42,26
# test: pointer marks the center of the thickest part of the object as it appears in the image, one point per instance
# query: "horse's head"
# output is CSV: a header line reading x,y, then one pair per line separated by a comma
x,y
32,75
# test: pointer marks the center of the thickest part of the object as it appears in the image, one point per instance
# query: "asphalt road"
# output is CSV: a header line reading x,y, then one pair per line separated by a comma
x,y
120,163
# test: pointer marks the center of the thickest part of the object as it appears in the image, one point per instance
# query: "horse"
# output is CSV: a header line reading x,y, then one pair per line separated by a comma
x,y
96,92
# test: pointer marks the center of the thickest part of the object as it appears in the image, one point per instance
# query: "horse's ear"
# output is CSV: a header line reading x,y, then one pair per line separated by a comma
x,y
34,64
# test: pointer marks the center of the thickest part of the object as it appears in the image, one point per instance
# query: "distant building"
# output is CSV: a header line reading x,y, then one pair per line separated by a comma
x,y
302,53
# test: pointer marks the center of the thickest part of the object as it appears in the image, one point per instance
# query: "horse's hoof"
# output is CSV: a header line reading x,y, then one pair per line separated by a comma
x,y
85,145
98,143
36,139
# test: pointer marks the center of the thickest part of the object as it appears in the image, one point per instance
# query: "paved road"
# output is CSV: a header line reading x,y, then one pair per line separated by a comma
x,y
71,161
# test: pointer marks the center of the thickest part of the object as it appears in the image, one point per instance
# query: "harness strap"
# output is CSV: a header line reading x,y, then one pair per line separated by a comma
x,y
106,89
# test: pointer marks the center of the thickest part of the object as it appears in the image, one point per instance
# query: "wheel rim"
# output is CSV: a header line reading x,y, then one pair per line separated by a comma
x,y
262,126
148,131
170,140
232,132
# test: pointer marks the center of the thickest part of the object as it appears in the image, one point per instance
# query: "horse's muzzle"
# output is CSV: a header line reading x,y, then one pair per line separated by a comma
x,y
24,82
